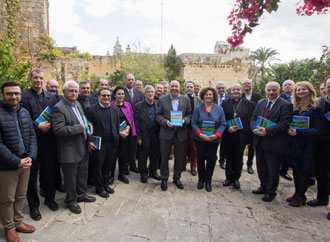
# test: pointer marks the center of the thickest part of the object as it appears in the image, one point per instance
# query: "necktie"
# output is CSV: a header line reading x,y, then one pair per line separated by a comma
x,y
220,99
130,93
267,109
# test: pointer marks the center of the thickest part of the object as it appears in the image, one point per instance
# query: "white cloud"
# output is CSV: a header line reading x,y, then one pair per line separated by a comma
x,y
99,8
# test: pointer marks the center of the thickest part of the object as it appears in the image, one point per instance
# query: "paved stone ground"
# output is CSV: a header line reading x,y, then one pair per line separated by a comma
x,y
142,212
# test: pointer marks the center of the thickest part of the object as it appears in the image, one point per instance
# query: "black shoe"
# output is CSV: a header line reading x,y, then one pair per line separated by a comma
x,y
155,176
75,208
42,194
178,183
286,176
328,216
35,214
250,170
222,165
200,185
52,205
268,197
109,190
112,178
123,179
60,188
208,187
226,183
259,190
317,202
102,194
87,199
163,185
236,184
144,179
193,172
134,169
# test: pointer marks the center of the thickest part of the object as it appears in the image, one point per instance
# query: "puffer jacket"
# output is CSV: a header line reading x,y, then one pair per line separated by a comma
x,y
9,139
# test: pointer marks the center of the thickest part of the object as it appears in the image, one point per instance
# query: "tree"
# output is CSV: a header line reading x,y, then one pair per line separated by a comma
x,y
172,64
246,14
262,58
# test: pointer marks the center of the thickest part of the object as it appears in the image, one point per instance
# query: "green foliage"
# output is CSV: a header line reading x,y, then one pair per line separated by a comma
x,y
9,20
86,56
172,64
93,80
117,78
12,68
49,52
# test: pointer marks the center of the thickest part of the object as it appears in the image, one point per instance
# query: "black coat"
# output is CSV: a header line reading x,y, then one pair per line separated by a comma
x,y
282,95
95,116
255,97
9,141
137,97
81,101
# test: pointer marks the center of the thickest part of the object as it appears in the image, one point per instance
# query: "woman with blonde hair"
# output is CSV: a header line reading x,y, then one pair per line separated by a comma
x,y
303,139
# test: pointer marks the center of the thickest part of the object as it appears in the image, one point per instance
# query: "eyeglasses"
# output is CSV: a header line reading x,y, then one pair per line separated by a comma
x,y
106,95
53,87
10,94
72,90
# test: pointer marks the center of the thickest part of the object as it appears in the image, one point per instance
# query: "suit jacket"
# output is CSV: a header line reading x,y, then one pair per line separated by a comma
x,y
94,97
227,96
163,114
282,95
277,137
142,122
244,112
81,101
255,97
71,143
137,97
94,115
197,100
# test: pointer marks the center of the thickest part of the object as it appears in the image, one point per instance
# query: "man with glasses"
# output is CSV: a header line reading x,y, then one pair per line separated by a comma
x,y
35,100
18,150
52,86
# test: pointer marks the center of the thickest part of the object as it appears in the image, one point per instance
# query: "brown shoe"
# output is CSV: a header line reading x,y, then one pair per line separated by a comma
x,y
12,236
25,228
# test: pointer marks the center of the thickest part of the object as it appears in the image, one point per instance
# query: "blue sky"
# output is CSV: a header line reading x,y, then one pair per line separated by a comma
x,y
192,26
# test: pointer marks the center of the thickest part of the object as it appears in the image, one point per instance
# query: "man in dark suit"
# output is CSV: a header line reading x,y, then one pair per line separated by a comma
x,y
222,95
105,120
234,140
171,135
253,97
147,130
271,143
133,96
189,144
72,134
35,100
102,83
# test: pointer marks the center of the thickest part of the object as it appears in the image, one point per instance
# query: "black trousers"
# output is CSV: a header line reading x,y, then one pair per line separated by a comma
x,y
234,157
301,183
122,155
222,155
206,151
249,162
268,167
103,160
75,180
165,149
46,159
322,171
153,152
285,165
131,161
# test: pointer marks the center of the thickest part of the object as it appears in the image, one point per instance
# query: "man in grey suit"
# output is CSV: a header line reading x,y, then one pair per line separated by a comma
x,y
72,134
170,134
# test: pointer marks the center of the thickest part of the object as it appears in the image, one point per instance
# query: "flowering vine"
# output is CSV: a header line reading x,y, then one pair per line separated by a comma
x,y
246,14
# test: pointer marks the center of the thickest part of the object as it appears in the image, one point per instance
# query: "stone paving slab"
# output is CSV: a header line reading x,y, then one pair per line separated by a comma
x,y
142,212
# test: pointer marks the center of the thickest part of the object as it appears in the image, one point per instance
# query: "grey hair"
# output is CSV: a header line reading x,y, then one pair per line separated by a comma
x,y
236,84
164,82
273,83
71,82
148,87
289,81
220,83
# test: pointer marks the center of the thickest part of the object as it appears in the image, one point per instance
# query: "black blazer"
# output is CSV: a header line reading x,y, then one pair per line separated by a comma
x,y
277,137
81,101
142,122
244,112
137,97
254,98
282,95
227,96
95,116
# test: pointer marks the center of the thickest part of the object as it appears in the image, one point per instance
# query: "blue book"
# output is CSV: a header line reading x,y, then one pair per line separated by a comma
x,y
123,126
208,128
96,140
86,123
235,122
327,115
176,118
300,122
45,116
262,122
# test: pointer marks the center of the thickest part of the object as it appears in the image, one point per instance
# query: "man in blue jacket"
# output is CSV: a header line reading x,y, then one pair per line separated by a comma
x,y
18,148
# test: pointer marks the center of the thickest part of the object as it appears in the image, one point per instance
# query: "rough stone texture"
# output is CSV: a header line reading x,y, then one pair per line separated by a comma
x,y
142,212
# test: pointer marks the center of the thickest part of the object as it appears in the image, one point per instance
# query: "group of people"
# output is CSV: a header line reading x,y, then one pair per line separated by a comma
x,y
133,122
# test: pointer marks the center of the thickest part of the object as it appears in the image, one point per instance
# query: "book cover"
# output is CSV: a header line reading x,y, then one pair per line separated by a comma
x,y
300,122
176,118
208,128
327,115
96,140
262,122
86,123
123,126
235,122
45,116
